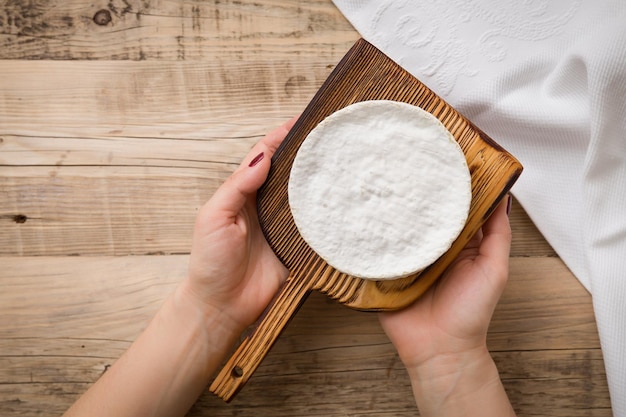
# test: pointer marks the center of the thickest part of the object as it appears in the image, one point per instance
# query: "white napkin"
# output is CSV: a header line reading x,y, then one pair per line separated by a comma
x,y
547,80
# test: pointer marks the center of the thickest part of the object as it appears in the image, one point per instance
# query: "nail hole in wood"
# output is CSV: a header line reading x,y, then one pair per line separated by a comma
x,y
237,372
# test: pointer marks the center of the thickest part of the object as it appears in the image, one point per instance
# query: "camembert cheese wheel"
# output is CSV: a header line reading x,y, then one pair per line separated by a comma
x,y
380,189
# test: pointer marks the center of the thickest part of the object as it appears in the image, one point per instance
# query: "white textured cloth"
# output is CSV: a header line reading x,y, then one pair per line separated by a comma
x,y
547,80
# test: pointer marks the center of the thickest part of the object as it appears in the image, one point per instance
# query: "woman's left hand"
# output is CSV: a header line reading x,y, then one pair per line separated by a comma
x,y
232,268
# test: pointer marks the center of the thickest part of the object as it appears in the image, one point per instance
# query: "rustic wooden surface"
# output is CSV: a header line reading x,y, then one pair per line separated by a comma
x,y
118,119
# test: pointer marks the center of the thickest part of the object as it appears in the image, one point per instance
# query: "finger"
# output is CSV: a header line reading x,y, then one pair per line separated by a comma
x,y
495,248
474,242
268,144
261,153
273,139
496,241
231,196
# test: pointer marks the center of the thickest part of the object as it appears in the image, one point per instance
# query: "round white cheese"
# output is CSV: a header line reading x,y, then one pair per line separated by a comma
x,y
380,189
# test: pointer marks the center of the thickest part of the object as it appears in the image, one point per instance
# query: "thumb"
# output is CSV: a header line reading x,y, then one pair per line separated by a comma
x,y
231,196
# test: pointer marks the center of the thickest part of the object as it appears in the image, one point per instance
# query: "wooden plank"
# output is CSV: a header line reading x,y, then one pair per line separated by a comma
x,y
65,319
77,215
84,297
153,100
170,30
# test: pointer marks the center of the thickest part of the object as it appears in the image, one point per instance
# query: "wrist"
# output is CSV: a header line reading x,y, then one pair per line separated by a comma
x,y
214,321
172,360
454,384
444,368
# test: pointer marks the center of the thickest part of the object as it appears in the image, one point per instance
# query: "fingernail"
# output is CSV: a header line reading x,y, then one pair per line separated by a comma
x,y
257,159
509,203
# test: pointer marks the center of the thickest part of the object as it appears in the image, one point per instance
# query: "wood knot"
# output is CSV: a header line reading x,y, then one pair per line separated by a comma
x,y
102,17
20,218
293,84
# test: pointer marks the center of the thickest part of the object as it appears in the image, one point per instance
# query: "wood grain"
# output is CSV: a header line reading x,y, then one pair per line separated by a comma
x,y
171,30
110,139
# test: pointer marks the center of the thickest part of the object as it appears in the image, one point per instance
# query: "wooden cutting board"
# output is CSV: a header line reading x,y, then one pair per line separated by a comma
x,y
364,73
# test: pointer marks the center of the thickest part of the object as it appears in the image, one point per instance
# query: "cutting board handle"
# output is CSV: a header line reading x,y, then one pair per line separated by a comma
x,y
257,344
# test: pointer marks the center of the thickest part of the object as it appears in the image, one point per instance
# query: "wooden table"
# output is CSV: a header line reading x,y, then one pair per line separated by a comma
x,y
118,119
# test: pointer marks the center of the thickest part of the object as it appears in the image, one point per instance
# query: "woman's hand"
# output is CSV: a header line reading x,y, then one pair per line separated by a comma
x,y
232,268
453,315
232,276
441,338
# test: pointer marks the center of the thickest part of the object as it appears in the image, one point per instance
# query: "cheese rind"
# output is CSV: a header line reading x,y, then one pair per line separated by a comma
x,y
380,189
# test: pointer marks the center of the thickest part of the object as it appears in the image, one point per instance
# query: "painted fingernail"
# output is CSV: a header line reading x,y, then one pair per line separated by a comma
x,y
257,159
509,203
